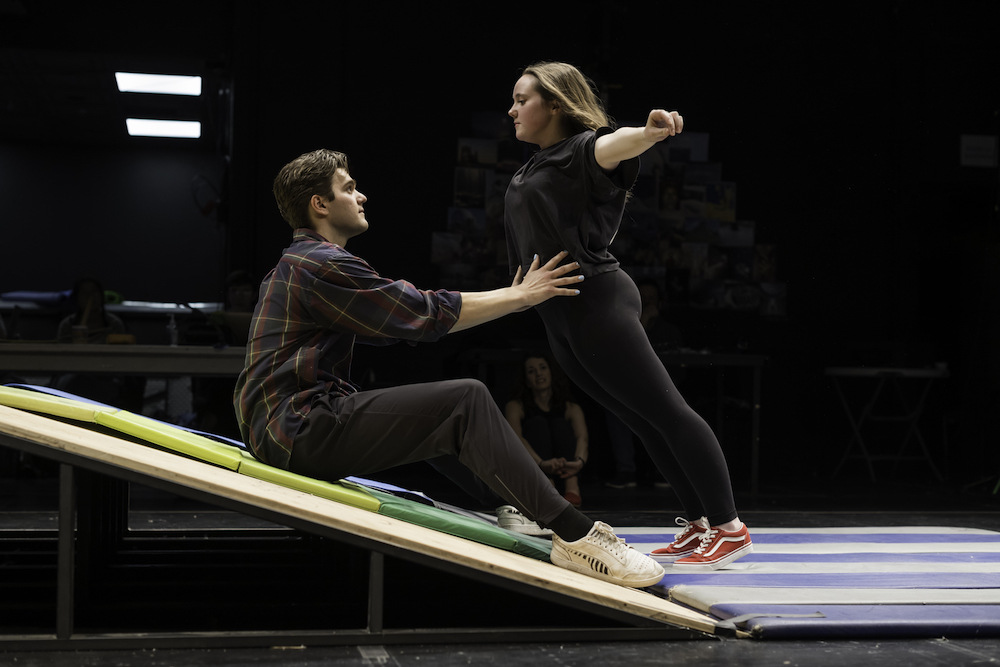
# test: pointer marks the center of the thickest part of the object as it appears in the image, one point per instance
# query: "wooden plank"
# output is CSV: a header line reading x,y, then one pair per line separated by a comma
x,y
313,509
199,360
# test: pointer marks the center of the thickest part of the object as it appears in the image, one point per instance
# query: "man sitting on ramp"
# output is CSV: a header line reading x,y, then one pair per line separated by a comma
x,y
298,410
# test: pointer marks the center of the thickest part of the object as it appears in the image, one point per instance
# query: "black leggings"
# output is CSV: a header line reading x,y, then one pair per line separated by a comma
x,y
598,340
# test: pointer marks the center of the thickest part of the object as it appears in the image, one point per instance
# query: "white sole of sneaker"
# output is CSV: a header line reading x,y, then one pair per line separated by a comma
x,y
534,532
716,565
668,559
563,562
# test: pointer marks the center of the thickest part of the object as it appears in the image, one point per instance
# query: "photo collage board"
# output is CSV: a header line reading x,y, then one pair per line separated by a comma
x,y
680,229
471,251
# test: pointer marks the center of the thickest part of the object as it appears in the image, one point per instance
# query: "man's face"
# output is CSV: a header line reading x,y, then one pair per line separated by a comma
x,y
345,204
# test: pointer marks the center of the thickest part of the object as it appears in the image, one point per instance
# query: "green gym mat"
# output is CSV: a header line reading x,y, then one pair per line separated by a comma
x,y
175,439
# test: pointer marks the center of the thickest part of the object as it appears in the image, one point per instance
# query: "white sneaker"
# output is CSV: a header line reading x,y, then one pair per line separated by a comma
x,y
510,519
604,555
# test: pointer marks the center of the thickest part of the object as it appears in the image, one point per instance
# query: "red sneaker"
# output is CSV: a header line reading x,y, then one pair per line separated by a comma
x,y
718,548
685,542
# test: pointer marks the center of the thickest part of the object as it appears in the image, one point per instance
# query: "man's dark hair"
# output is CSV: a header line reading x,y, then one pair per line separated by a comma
x,y
307,175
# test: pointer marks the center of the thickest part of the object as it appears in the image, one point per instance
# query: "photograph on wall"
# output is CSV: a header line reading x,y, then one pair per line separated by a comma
x,y
701,173
478,250
460,276
740,263
470,187
467,221
496,189
774,299
693,200
765,263
445,247
720,201
688,147
736,234
477,152
741,296
656,159
699,229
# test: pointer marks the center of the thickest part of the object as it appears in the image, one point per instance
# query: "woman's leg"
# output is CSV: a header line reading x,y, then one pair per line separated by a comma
x,y
651,439
598,340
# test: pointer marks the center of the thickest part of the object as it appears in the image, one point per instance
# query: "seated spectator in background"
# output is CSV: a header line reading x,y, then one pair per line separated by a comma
x,y
241,292
90,322
552,428
212,397
241,298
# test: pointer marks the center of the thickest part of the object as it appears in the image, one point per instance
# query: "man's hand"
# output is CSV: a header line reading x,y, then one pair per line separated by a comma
x,y
662,124
537,285
540,284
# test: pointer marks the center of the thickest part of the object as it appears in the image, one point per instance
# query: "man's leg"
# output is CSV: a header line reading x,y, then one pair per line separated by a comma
x,y
465,479
374,430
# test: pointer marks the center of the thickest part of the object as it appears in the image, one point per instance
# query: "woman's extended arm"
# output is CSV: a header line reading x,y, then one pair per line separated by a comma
x,y
626,143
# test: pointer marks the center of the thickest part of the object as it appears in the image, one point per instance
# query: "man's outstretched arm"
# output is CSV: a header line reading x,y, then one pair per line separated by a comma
x,y
537,285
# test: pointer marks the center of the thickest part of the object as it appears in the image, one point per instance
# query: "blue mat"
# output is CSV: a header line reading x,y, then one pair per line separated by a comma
x,y
847,582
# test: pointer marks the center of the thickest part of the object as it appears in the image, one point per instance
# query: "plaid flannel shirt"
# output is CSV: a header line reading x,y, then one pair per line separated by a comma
x,y
312,308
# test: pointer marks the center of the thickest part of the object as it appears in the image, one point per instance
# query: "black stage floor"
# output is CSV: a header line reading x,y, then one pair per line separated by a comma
x,y
808,503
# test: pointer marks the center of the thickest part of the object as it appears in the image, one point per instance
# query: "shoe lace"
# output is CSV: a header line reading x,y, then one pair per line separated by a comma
x,y
686,525
706,540
606,538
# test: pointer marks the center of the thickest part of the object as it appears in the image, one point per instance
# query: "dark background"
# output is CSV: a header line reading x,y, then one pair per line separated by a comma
x,y
840,125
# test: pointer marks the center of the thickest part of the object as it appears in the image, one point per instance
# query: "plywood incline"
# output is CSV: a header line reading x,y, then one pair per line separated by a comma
x,y
302,506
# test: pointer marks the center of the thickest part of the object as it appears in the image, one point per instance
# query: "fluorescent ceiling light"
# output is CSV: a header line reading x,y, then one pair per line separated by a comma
x,y
145,127
163,84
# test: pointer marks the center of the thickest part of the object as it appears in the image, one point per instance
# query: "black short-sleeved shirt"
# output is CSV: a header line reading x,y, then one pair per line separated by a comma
x,y
561,199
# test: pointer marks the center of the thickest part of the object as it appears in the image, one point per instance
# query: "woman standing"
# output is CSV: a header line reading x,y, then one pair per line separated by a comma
x,y
552,428
570,195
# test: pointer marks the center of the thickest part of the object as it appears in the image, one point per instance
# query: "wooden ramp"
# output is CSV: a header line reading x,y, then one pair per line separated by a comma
x,y
609,611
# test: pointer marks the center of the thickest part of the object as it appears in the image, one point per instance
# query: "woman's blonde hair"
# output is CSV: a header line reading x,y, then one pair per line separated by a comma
x,y
574,94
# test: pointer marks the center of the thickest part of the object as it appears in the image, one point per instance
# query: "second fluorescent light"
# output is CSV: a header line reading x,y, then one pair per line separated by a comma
x,y
145,127
163,84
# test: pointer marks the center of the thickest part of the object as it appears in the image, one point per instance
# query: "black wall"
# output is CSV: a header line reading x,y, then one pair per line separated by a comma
x,y
128,217
840,126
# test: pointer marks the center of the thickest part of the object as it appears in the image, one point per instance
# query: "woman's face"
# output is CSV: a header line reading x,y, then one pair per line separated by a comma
x,y
535,120
537,374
